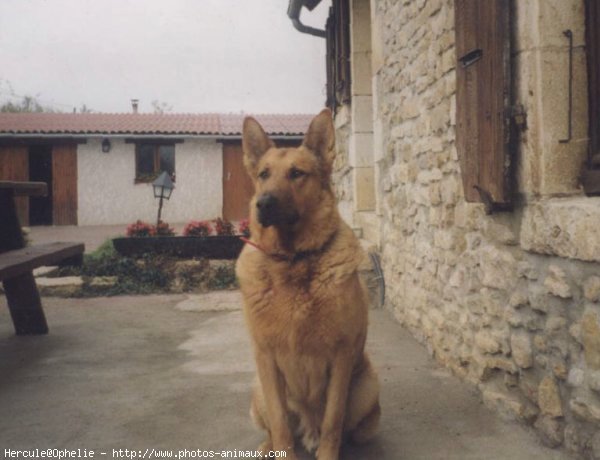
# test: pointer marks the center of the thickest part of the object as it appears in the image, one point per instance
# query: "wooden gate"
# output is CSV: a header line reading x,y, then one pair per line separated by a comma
x,y
237,185
14,166
64,184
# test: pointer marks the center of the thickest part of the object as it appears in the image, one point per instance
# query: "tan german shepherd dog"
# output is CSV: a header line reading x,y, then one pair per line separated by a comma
x,y
304,304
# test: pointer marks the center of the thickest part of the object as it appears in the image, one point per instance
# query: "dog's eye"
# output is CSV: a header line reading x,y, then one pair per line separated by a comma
x,y
264,174
296,173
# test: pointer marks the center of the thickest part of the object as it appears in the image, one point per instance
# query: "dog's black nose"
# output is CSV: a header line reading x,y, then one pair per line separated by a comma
x,y
267,205
266,202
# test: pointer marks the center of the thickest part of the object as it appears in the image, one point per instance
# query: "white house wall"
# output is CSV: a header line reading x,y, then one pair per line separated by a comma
x,y
108,194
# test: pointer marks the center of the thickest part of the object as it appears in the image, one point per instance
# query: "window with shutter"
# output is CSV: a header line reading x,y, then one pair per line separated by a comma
x,y
482,101
338,54
591,173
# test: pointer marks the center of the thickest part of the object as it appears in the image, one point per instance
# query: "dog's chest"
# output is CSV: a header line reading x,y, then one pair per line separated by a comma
x,y
298,311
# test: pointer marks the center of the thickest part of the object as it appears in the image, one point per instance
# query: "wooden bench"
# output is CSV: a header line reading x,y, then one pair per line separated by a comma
x,y
17,261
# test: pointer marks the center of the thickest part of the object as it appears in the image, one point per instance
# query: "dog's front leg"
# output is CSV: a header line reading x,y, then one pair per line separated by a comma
x,y
335,407
273,387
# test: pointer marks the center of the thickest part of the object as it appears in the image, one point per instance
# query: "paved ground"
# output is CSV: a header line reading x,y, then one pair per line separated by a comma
x,y
167,372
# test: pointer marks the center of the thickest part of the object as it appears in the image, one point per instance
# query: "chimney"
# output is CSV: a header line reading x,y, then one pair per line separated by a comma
x,y
134,105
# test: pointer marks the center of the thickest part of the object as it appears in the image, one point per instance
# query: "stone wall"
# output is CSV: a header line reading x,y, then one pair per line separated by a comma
x,y
510,301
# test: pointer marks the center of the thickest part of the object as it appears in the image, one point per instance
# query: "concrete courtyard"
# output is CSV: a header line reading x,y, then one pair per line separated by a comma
x,y
174,372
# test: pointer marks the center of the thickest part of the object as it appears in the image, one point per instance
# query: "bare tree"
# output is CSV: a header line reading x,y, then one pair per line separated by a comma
x,y
161,107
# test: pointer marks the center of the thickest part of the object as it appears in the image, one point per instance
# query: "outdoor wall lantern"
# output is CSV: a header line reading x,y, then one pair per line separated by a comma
x,y
105,146
162,186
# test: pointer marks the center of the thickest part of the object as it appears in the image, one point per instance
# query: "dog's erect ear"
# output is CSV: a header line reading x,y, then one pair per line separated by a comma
x,y
320,138
255,143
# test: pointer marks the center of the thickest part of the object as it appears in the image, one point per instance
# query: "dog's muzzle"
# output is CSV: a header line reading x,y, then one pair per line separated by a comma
x,y
270,211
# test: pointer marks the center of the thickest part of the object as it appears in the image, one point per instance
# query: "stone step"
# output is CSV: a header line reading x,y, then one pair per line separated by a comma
x,y
62,287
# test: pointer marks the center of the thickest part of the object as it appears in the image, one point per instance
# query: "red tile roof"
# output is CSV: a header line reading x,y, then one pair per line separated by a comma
x,y
219,125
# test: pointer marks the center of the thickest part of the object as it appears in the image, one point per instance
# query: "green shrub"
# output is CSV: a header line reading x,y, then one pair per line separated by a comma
x,y
223,277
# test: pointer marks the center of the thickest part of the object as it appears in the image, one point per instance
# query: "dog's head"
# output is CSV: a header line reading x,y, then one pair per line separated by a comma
x,y
288,181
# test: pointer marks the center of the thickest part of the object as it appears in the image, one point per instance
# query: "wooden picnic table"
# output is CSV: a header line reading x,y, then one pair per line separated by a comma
x,y
18,261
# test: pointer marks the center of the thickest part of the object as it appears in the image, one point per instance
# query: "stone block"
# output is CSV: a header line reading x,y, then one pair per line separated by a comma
x,y
561,162
63,286
377,43
499,232
450,190
361,74
576,377
549,398
487,342
499,268
521,349
593,381
427,176
502,363
524,318
43,271
509,405
591,289
539,299
364,189
556,283
526,270
556,324
519,299
103,281
552,15
362,114
585,409
361,150
360,25
590,332
529,381
565,227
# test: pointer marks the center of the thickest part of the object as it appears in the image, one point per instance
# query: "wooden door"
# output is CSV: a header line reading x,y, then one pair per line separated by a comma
x,y
237,185
64,184
14,166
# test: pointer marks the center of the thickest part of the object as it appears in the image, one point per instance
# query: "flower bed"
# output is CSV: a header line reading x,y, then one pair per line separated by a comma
x,y
210,247
198,241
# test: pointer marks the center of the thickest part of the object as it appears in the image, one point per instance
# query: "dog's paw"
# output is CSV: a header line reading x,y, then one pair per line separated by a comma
x,y
265,448
310,440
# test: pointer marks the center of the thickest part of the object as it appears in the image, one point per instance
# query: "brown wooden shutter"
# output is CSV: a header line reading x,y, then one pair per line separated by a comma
x,y
482,100
591,173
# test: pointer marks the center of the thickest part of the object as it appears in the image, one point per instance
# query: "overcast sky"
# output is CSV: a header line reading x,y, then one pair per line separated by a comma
x,y
194,55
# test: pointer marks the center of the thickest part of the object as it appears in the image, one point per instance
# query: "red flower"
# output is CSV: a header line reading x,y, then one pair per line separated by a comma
x,y
197,228
140,228
223,227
